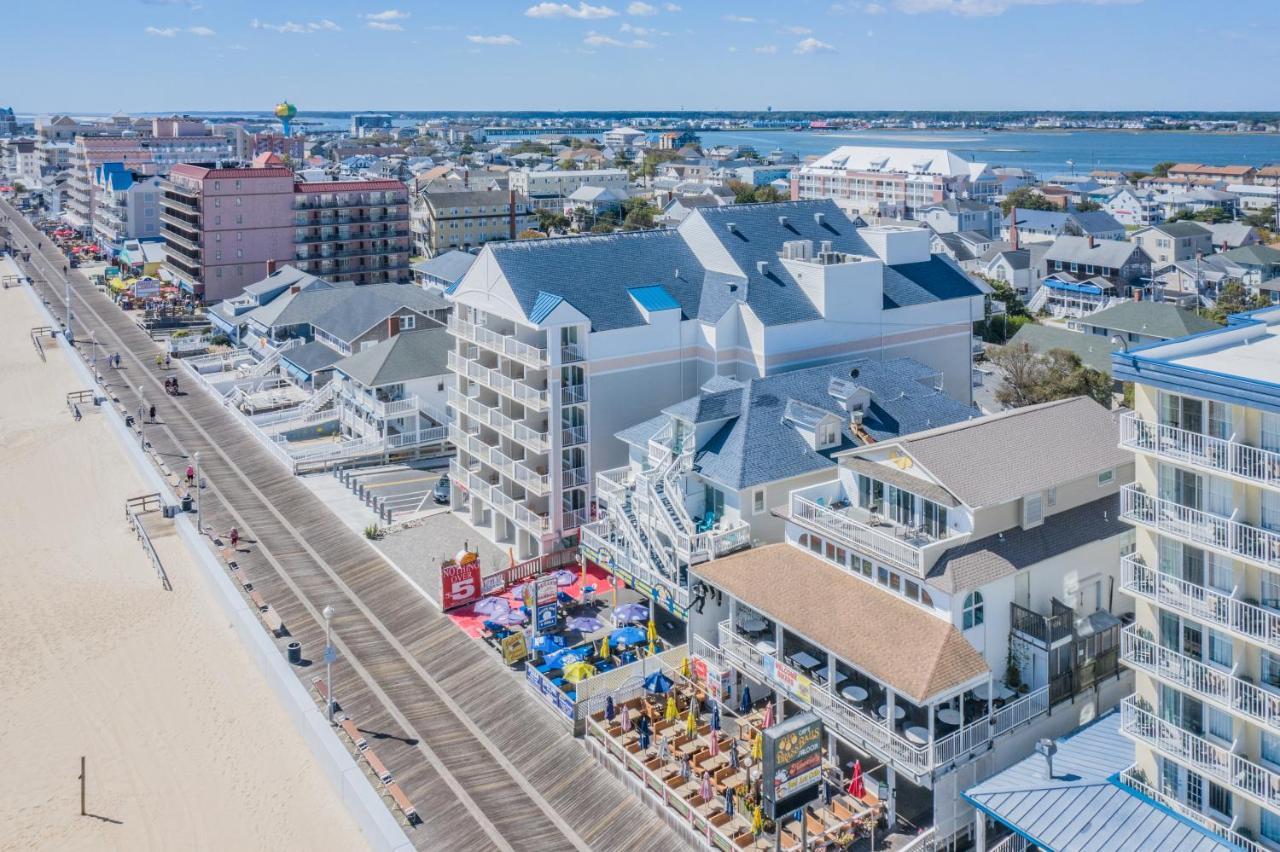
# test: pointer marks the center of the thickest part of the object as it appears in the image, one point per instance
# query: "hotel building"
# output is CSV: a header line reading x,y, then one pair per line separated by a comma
x,y
893,182
563,343
1205,575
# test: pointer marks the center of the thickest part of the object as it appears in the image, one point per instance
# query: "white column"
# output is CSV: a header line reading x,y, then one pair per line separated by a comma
x,y
888,708
891,780
831,673
979,831
931,724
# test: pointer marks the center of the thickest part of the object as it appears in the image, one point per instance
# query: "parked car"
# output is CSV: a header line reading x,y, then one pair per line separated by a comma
x,y
440,493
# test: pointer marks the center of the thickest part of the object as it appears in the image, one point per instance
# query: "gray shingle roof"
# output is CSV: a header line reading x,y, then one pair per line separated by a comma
x,y
1032,448
1094,350
757,445
448,267
1183,229
364,307
404,357
1109,253
988,559
1154,319
312,356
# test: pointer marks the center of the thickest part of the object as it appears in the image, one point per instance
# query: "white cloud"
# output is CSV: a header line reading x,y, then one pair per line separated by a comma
x,y
583,12
865,8
595,39
987,8
501,40
385,26
163,32
874,9
812,45
237,47
740,19
641,32
767,48
203,32
797,30
671,7
190,4
386,15
641,9
295,27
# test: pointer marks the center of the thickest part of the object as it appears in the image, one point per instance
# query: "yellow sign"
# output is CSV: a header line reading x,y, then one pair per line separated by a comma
x,y
514,649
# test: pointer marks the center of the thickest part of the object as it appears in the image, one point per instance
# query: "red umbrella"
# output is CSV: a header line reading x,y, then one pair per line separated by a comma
x,y
857,789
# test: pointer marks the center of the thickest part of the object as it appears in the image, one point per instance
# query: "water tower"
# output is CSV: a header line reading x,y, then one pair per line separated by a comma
x,y
285,111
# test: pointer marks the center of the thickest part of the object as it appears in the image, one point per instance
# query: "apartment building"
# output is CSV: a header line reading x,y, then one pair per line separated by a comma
x,y
88,153
703,475
227,228
467,219
937,616
562,343
893,182
21,160
126,206
552,186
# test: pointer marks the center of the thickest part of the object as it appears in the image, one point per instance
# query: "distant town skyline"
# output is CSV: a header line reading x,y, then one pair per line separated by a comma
x,y
603,55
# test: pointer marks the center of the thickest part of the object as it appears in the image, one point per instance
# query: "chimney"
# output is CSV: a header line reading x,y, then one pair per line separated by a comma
x,y
1013,228
393,326
271,267
511,213
1090,239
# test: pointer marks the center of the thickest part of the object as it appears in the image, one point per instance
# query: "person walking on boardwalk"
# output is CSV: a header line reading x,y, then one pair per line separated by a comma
x,y
77,410
235,537
191,474
152,412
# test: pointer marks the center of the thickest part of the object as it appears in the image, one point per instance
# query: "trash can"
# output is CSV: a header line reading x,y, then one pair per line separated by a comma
x,y
187,503
295,653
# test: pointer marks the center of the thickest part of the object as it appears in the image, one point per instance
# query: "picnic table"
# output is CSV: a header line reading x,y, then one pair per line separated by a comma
x,y
949,716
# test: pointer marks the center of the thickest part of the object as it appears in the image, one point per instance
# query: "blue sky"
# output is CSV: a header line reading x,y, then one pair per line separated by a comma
x,y
146,55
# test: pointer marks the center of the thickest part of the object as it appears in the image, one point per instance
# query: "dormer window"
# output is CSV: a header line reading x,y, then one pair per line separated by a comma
x,y
828,435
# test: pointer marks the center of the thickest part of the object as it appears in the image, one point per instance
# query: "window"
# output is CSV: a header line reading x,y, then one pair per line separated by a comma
x,y
1218,724
1220,650
1271,748
815,544
408,322
1051,497
1269,826
217,237
1106,477
1270,670
1219,799
864,566
972,610
757,501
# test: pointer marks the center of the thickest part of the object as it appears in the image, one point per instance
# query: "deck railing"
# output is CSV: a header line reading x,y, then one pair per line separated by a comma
x,y
1195,448
856,534
1129,778
1243,541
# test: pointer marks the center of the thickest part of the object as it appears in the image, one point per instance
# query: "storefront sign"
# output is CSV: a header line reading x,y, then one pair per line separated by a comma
x,y
548,616
792,763
514,648
459,582
491,583
718,682
795,683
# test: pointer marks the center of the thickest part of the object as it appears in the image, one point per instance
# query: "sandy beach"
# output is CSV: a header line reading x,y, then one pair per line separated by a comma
x,y
186,744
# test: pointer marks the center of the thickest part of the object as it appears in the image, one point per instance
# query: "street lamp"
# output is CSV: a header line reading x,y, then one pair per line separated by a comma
x,y
329,654
196,459
142,424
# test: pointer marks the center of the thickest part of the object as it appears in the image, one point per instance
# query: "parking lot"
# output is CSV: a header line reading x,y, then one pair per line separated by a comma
x,y
402,490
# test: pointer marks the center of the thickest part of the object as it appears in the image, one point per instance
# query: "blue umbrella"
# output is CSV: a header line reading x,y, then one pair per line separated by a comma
x,y
745,706
560,659
657,682
627,636
548,642
715,717
584,623
630,612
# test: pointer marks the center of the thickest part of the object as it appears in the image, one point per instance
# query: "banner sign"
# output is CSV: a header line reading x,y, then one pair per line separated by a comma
x,y
459,582
792,763
795,683
719,682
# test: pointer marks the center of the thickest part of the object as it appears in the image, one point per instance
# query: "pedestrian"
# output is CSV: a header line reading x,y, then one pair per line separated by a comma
x,y
77,412
609,710
686,768
168,362
152,412
191,474
235,537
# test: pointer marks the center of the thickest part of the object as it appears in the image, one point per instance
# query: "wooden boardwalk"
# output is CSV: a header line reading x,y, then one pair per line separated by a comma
x,y
485,765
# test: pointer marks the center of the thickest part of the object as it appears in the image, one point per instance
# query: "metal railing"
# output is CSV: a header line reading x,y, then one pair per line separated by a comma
x,y
502,344
539,442
599,536
1216,685
536,398
140,531
1195,448
571,353
1210,606
1243,541
611,485
573,436
853,533
573,394
1216,761
1129,778
1046,629
574,519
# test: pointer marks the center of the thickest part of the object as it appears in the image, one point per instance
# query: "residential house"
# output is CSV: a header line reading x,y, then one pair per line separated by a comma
x,y
1093,352
1171,242
555,336
551,186
702,475
1254,198
964,247
395,390
594,201
679,207
1131,206
1204,573
462,220
1199,199
443,272
954,215
1017,267
1047,225
916,590
1080,275
1233,235
1227,174
1141,322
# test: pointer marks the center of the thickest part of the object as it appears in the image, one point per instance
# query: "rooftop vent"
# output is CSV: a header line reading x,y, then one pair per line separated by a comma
x,y
797,249
762,267
732,226
824,246
820,218
782,220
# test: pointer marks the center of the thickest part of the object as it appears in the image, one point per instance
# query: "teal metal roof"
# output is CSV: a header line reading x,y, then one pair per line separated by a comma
x,y
543,306
654,298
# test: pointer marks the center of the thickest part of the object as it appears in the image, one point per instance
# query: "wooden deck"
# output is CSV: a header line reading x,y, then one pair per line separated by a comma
x,y
484,764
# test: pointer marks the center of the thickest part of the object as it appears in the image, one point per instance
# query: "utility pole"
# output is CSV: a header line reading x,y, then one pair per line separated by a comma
x,y
142,424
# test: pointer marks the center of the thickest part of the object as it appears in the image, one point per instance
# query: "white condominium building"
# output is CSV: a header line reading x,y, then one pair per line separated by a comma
x,y
893,181
1205,646
562,343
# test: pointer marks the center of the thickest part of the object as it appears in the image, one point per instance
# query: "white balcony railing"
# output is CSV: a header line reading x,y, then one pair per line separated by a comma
x,y
516,389
1209,683
1242,461
611,485
1216,761
856,534
1209,606
574,518
602,535
573,436
539,442
1129,778
492,494
1224,535
502,344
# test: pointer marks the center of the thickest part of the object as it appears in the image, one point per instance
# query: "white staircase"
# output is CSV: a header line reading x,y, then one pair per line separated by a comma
x,y
267,364
1038,300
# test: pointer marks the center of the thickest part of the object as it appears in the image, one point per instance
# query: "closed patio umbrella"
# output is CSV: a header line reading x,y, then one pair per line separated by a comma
x,y
715,743
728,801
684,667
757,747
857,787
492,606
652,631
690,722
767,721
744,706
626,719
757,822
609,711
705,790
671,711
604,647
715,717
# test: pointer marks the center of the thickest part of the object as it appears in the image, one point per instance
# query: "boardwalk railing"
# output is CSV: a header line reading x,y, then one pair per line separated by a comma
x,y
133,508
37,333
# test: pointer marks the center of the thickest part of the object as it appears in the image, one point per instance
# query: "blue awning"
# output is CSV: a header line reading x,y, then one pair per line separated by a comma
x,y
1091,289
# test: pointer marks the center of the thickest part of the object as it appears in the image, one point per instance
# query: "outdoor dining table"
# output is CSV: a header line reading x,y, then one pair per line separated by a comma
x,y
1002,691
754,624
805,660
766,645
898,713
917,735
949,716
854,693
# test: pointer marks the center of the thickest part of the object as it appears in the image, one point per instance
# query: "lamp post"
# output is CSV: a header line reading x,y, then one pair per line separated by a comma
x,y
329,654
142,424
196,459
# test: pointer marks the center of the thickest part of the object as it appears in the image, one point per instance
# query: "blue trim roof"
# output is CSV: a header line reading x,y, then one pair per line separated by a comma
x,y
544,305
1055,284
654,298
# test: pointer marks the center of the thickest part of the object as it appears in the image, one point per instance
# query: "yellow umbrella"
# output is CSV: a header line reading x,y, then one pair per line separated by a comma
x,y
671,711
757,822
757,747
653,649
684,667
578,671
691,722
604,647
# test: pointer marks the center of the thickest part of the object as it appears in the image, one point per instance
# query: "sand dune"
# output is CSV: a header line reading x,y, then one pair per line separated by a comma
x,y
186,745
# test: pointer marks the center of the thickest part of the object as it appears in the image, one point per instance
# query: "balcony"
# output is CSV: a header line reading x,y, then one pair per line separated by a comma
x,y
1209,606
515,389
864,532
1211,684
1200,528
573,394
538,442
573,436
574,519
1129,777
1047,630
1193,449
571,353
517,470
502,344
1198,754
489,492
573,477
179,247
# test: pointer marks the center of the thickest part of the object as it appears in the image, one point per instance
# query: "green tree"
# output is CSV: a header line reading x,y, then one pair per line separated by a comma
x,y
1025,198
1032,377
1212,215
768,194
1233,298
1088,206
1264,218
550,221
637,214
1162,169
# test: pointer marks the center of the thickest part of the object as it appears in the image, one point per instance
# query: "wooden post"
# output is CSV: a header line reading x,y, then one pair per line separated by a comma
x,y
82,811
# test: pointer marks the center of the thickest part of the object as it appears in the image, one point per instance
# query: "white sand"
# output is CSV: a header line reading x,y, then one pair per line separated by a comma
x,y
187,746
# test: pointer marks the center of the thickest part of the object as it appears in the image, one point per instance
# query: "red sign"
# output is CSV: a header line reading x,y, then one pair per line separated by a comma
x,y
460,584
